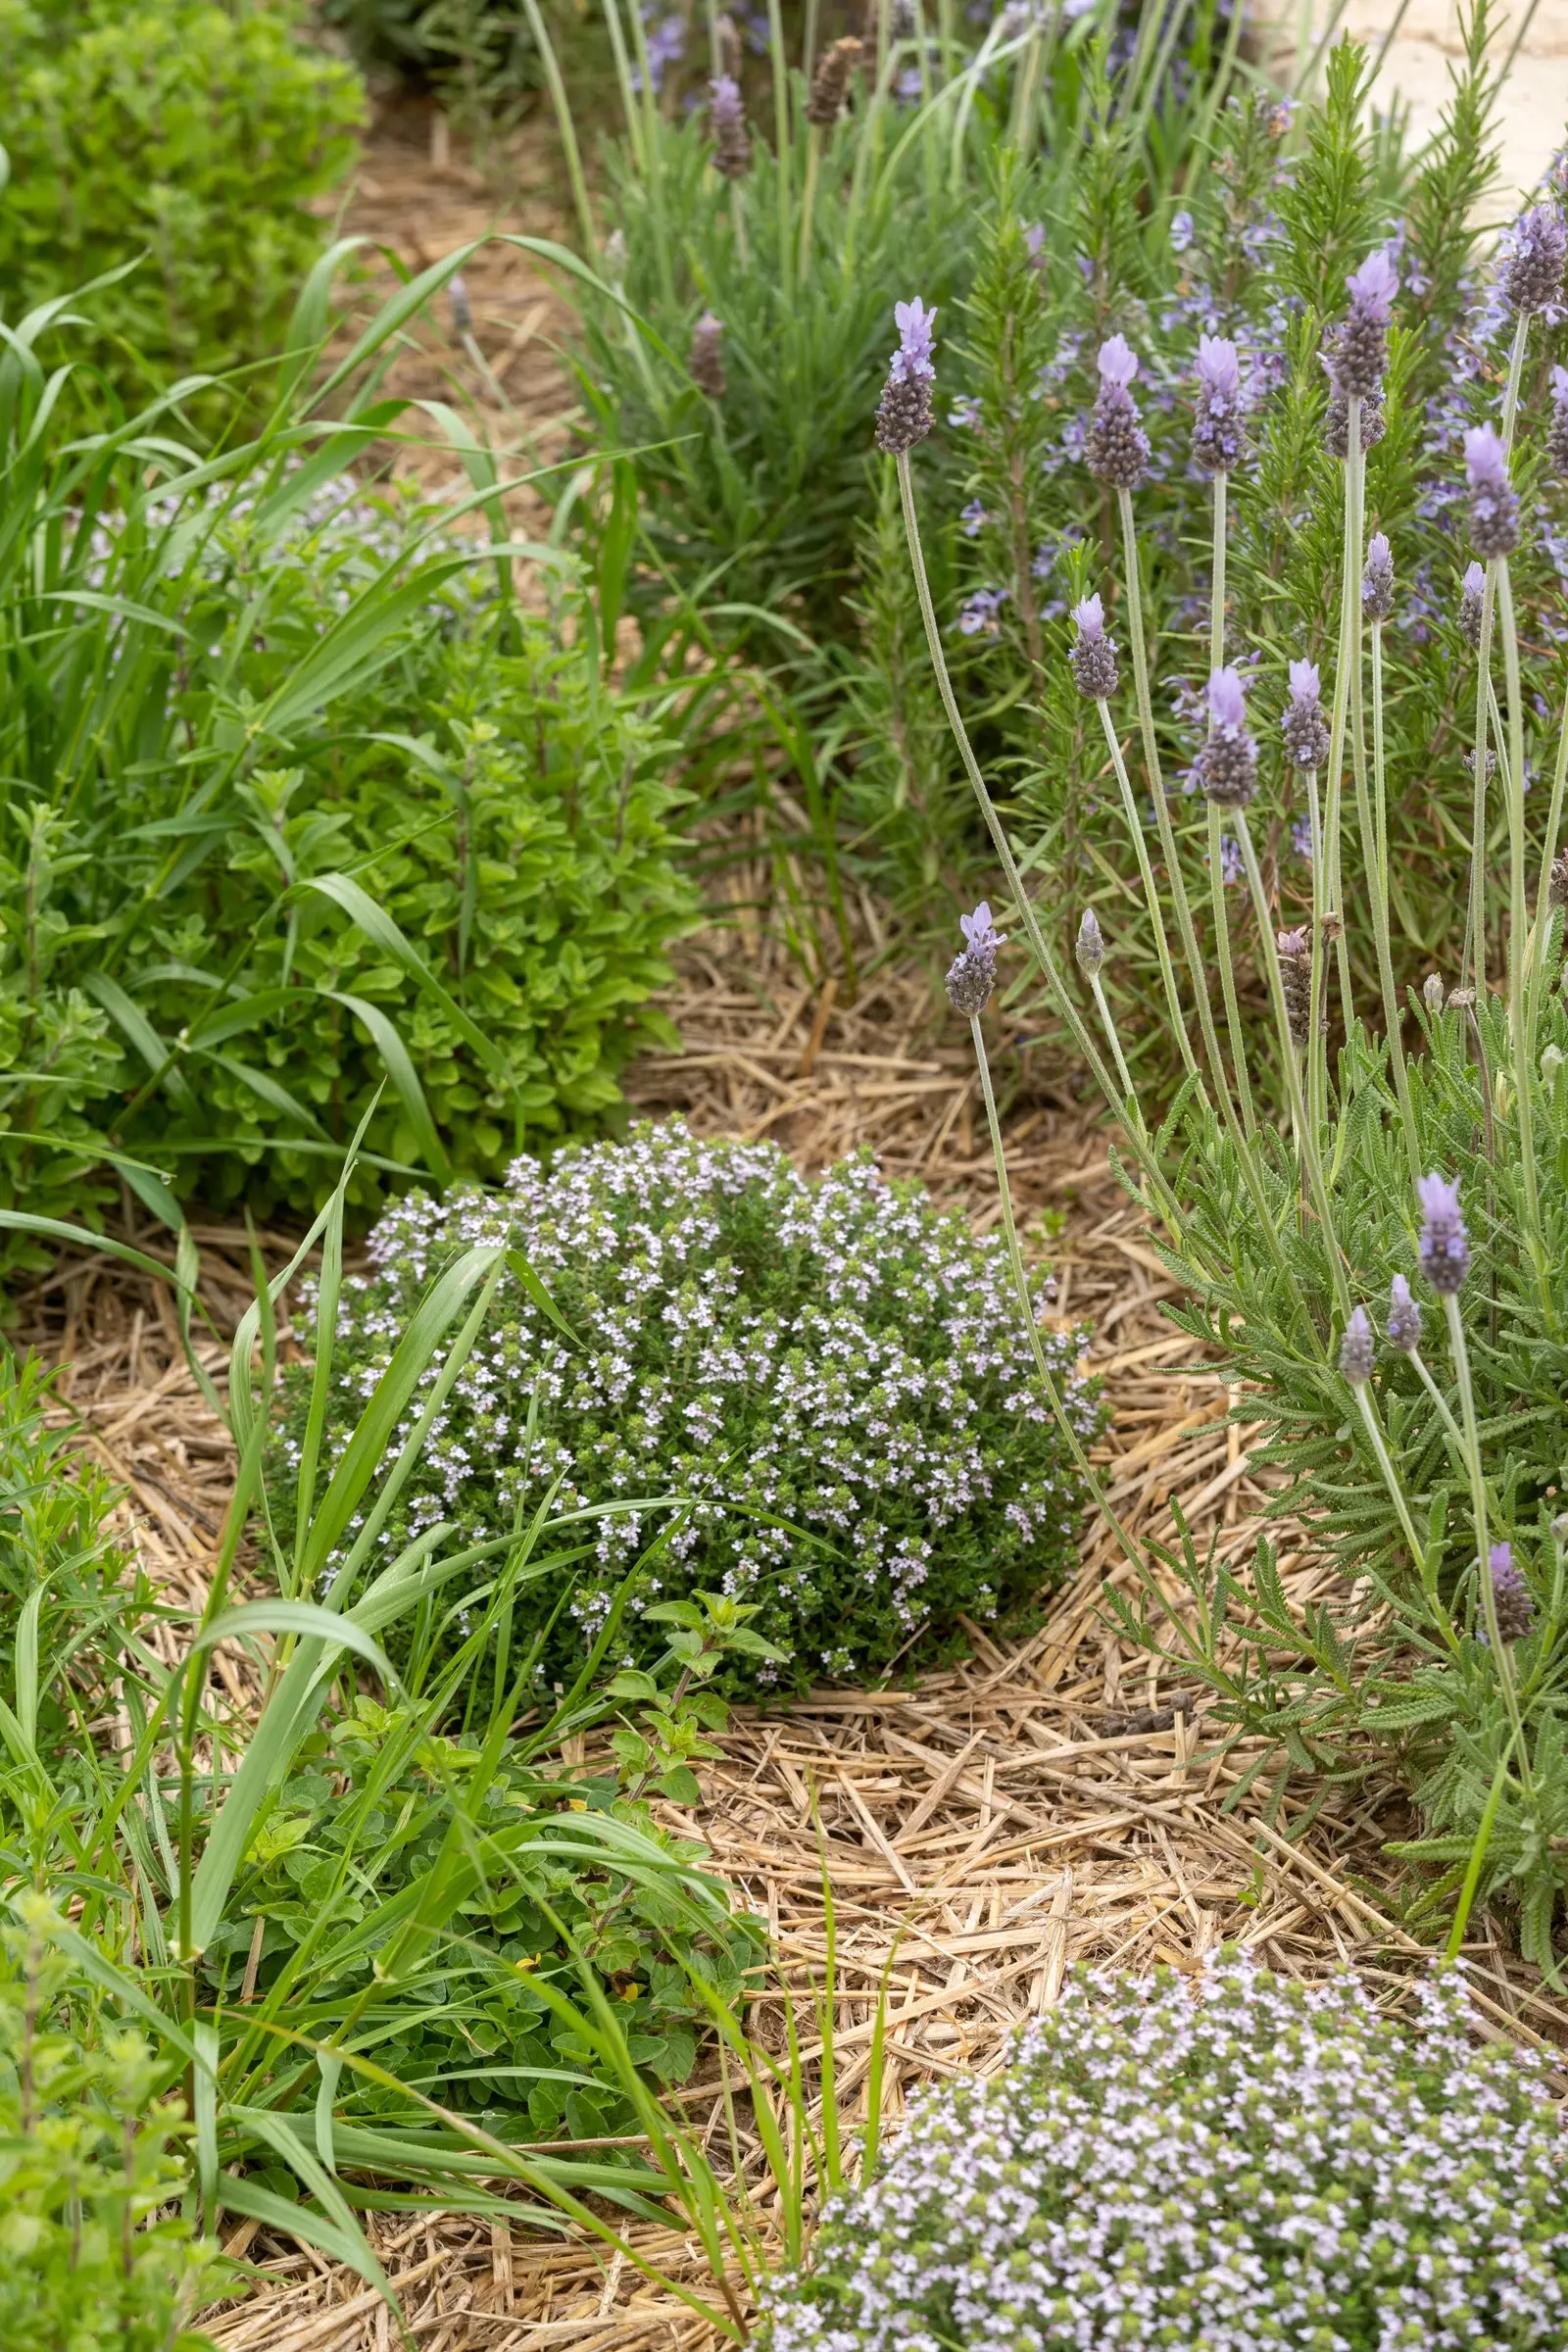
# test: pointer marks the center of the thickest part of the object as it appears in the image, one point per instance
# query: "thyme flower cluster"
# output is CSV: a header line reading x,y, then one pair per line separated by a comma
x,y
1244,2164
834,1375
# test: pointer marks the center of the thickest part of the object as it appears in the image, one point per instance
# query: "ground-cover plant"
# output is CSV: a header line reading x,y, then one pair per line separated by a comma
x,y
1243,2161
828,1373
1408,1185
91,2253
302,805
179,142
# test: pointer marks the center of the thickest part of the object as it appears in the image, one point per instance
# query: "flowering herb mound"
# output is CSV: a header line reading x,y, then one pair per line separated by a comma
x,y
832,1376
1242,2164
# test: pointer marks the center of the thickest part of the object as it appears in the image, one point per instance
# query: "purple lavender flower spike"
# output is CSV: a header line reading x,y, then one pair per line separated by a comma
x,y
1217,416
1357,1350
1404,1317
1304,726
1377,581
1510,1595
727,114
1116,446
1531,278
1557,429
1494,500
1361,348
904,417
706,364
1444,1247
1472,589
972,973
1294,951
1227,764
1093,654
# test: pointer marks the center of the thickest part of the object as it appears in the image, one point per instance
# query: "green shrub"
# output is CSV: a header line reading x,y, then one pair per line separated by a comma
x,y
90,2157
1247,2161
303,804
187,132
821,1390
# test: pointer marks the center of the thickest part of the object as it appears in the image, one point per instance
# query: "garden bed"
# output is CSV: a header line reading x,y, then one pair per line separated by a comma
x,y
1044,1802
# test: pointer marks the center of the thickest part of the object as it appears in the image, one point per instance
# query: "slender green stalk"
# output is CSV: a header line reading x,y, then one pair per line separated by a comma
x,y
1518,1009
1216,870
1535,955
1115,1041
1152,1173
1445,1408
1503,1657
1157,786
1173,1004
1516,369
994,825
1391,1480
1317,1054
1474,967
1350,608
1306,1139
808,41
1374,842
814,164
783,159
1478,1851
1026,1309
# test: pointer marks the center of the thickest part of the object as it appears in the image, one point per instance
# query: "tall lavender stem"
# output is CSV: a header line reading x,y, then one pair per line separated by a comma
x,y
1217,872
1518,1009
1502,1655
1474,965
1167,974
1374,834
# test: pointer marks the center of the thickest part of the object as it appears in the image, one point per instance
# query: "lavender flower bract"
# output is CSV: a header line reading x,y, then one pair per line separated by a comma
x,y
1557,429
705,361
1472,589
1337,423
1090,948
1404,1312
1360,349
1217,419
1227,764
1357,1350
1303,728
1493,501
732,141
1093,654
1510,1595
1444,1247
830,83
972,973
1116,447
1377,580
1294,951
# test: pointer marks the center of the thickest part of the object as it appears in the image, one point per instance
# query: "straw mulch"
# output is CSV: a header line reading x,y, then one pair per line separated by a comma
x,y
1044,1802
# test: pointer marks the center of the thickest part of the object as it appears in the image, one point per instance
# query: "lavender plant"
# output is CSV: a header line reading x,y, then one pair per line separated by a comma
x,y
1295,1191
1244,2161
826,1383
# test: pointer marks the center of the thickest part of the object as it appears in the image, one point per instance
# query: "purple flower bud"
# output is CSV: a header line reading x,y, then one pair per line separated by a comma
x,y
727,114
1227,764
1118,361
1472,589
1373,287
706,364
1510,1595
1405,1316
1303,728
1493,501
1377,581
972,974
1357,1350
1216,419
1093,654
1444,1247
1557,429
1090,948
1531,278
904,415
1294,951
